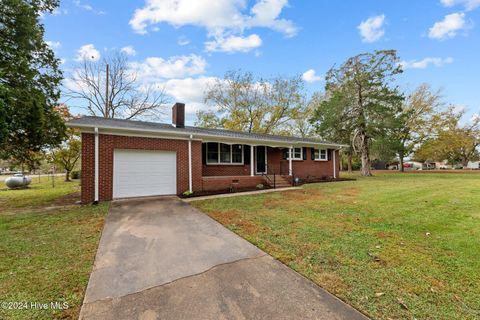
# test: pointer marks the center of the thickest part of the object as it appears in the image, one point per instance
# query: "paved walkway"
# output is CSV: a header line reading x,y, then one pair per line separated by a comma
x,y
236,194
162,259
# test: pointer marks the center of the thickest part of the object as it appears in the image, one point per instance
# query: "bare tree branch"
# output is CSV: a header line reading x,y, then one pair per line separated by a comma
x,y
128,98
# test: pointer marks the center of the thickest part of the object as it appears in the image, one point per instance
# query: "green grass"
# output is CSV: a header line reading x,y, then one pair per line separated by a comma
x,y
46,249
395,246
40,193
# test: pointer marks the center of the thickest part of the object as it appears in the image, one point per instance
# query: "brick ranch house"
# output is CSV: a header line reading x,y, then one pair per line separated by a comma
x,y
124,158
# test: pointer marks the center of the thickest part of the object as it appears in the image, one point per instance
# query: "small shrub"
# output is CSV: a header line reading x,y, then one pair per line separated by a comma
x,y
75,174
260,186
187,193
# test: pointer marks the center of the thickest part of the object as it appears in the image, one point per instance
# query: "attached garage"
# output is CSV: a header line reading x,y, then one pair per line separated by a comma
x,y
139,173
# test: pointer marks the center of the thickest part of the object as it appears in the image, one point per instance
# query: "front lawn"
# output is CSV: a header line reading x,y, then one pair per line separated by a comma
x,y
47,248
395,246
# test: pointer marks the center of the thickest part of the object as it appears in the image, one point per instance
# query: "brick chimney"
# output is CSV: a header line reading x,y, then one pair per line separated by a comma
x,y
178,115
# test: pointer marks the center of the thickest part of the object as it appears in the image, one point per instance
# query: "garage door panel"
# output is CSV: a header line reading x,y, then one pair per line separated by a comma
x,y
144,173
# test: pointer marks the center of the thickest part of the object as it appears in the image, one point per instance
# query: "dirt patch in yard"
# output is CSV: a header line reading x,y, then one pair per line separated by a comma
x,y
68,199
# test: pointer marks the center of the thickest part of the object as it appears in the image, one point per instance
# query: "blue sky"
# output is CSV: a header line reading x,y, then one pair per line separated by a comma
x,y
186,44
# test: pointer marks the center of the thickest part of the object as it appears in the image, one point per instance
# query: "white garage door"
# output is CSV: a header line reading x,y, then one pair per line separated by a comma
x,y
138,173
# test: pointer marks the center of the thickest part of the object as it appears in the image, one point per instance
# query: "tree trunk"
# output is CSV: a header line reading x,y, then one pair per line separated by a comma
x,y
349,162
67,175
365,155
400,157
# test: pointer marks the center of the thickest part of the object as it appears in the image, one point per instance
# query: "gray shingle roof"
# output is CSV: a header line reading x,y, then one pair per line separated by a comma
x,y
133,125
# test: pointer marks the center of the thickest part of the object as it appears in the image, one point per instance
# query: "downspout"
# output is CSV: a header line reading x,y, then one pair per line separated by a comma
x,y
290,167
190,189
96,166
251,161
334,164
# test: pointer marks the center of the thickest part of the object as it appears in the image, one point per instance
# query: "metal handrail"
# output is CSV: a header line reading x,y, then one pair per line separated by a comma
x,y
266,175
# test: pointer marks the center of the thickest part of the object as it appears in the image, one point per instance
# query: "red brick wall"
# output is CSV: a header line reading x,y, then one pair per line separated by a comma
x,y
107,144
302,168
226,170
88,168
223,183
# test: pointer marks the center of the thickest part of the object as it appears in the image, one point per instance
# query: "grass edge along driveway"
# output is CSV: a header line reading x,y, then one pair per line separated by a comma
x,y
394,246
47,248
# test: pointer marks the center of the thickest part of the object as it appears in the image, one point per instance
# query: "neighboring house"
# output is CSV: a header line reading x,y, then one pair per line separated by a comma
x,y
429,165
443,165
473,165
124,158
413,165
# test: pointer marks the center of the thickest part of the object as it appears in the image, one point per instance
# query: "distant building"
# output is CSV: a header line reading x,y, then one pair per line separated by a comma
x,y
473,165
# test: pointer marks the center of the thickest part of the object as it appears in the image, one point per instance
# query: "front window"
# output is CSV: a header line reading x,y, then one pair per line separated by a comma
x,y
225,153
221,153
212,152
237,153
297,154
321,154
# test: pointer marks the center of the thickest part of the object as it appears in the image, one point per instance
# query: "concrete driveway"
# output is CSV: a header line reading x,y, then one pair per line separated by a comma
x,y
162,259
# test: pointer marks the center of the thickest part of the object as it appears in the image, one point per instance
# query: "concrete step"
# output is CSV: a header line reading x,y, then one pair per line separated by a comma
x,y
279,179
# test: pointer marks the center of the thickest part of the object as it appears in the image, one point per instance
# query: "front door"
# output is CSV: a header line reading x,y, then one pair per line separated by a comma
x,y
261,159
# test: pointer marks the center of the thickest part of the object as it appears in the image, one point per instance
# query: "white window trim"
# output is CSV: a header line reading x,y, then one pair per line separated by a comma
x,y
319,159
225,163
293,153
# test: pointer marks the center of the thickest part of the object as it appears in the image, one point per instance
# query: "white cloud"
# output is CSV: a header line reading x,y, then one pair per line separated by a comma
x,y
222,19
468,4
58,11
424,63
310,76
448,27
87,7
53,44
265,13
129,50
87,52
183,41
155,68
371,30
234,43
190,91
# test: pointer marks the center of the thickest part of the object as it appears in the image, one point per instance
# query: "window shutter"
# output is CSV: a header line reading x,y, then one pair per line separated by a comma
x,y
329,154
204,153
285,154
304,153
312,150
246,154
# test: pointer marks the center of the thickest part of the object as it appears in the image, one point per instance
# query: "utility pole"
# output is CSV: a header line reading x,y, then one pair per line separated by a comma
x,y
107,111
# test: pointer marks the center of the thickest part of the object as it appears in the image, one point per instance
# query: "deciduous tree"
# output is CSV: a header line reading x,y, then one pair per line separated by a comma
x,y
329,110
126,98
242,102
362,97
67,154
30,77
413,124
452,140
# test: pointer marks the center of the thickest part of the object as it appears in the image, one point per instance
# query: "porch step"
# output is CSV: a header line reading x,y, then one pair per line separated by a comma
x,y
280,182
